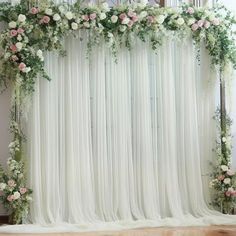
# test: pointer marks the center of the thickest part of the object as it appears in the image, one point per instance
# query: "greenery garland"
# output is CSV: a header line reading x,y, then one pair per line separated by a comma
x,y
34,29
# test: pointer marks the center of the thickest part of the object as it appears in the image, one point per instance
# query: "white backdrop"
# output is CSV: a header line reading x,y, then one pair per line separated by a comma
x,y
113,143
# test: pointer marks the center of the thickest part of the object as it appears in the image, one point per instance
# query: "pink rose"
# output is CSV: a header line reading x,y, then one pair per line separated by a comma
x,y
14,58
134,18
23,190
20,31
230,173
11,183
207,24
45,20
216,21
233,193
200,23
13,33
34,10
10,198
221,177
194,27
13,48
122,16
150,19
131,13
228,193
85,17
130,24
22,66
92,16
190,10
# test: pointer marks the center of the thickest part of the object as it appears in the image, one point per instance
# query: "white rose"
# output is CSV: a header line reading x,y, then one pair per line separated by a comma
x,y
224,139
39,53
62,9
143,14
211,17
231,189
224,168
125,21
19,45
19,37
16,195
105,7
123,28
56,17
28,198
114,19
26,70
48,11
69,15
160,19
110,35
74,26
78,20
86,24
103,16
227,181
12,24
180,21
191,21
21,18
2,186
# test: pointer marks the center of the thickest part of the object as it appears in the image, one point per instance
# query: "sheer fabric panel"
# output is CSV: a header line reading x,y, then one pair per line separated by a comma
x,y
122,145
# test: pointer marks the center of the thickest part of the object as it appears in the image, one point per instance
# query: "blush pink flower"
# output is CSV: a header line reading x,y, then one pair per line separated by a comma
x,y
92,16
228,193
190,10
11,183
45,20
230,173
130,24
23,190
14,58
10,198
216,22
221,177
34,10
233,193
207,24
200,23
20,31
85,17
22,66
13,48
122,16
13,33
131,13
194,27
150,19
135,18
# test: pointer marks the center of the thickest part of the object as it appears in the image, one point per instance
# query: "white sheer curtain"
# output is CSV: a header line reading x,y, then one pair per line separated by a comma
x,y
115,146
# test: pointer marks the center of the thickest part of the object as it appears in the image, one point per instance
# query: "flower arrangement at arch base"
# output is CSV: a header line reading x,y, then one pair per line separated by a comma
x,y
223,183
14,194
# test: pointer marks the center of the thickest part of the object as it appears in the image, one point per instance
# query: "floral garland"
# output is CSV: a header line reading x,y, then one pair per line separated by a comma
x,y
33,29
223,181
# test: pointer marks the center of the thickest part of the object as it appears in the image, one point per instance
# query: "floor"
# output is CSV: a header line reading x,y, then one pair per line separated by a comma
x,y
187,231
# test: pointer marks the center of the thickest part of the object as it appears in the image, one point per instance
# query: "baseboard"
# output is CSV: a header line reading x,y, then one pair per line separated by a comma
x,y
4,219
